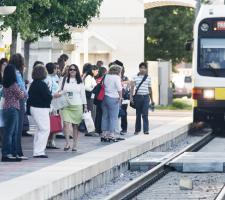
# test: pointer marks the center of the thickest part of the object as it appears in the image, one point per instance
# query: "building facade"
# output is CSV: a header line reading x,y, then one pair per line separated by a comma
x,y
118,33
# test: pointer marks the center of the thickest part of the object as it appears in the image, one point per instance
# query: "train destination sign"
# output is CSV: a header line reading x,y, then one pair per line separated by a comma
x,y
219,26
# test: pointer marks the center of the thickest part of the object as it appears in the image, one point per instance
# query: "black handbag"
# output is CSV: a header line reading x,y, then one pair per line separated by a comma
x,y
133,104
126,94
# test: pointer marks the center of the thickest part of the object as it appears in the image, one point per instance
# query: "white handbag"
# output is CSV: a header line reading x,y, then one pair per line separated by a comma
x,y
59,103
89,123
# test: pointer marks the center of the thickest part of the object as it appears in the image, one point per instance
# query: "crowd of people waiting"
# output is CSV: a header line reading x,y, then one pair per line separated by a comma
x,y
52,81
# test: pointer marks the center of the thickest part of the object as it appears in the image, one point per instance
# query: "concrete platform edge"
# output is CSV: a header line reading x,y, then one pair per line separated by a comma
x,y
54,180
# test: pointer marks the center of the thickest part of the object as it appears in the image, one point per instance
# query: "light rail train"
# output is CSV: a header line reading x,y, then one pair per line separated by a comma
x,y
209,66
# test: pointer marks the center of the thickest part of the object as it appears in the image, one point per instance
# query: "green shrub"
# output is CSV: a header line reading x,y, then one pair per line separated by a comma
x,y
178,104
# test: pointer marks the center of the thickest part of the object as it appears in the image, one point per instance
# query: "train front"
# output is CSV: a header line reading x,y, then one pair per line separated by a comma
x,y
209,66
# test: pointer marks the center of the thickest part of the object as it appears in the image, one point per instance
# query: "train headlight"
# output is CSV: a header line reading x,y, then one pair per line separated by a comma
x,y
209,94
204,27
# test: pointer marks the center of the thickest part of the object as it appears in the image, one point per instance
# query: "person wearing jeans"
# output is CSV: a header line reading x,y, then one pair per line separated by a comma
x,y
110,107
143,95
142,106
18,61
111,102
11,107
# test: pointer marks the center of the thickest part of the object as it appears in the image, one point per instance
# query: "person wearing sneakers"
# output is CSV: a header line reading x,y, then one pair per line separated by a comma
x,y
143,95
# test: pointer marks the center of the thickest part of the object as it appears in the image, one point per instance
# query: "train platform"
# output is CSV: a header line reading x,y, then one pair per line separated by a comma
x,y
56,174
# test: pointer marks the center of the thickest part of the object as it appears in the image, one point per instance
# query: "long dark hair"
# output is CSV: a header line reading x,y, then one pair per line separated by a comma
x,y
78,76
62,61
9,76
89,70
17,60
86,68
2,61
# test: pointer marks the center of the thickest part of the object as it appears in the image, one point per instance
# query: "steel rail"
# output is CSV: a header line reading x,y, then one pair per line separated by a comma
x,y
136,186
221,194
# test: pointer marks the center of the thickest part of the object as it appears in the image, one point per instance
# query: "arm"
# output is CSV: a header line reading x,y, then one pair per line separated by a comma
x,y
45,92
150,94
150,90
83,96
21,83
18,92
89,83
132,85
119,87
120,95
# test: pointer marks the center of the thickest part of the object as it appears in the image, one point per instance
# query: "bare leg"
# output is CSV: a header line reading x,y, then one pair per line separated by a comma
x,y
75,136
66,130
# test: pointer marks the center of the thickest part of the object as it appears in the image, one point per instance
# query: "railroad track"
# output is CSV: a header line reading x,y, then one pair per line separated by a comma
x,y
221,195
138,185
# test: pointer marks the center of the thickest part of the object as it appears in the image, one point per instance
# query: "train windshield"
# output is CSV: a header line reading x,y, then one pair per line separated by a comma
x,y
212,57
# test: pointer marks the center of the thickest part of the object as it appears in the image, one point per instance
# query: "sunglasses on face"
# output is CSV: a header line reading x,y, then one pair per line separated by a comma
x,y
72,69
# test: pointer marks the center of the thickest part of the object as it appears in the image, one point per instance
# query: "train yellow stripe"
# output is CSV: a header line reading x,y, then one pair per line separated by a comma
x,y
195,103
219,93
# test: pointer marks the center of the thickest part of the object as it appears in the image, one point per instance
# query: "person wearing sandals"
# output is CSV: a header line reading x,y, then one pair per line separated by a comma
x,y
73,87
111,102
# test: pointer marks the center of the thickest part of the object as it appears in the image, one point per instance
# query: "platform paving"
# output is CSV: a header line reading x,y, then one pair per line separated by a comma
x,y
75,175
86,144
144,163
199,162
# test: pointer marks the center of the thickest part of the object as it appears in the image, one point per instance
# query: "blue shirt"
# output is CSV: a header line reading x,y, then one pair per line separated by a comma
x,y
52,84
20,82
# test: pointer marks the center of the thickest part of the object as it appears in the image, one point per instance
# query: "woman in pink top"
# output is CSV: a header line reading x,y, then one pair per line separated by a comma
x,y
12,94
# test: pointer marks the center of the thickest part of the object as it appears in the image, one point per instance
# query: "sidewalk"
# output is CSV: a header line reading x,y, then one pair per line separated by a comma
x,y
85,144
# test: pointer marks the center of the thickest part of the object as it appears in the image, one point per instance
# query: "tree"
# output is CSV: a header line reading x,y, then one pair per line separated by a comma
x,y
166,31
39,18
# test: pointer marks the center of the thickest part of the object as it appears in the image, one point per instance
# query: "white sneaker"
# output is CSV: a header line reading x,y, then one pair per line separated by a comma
x,y
22,157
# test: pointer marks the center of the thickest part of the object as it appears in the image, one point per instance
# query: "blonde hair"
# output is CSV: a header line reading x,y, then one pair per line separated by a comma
x,y
115,69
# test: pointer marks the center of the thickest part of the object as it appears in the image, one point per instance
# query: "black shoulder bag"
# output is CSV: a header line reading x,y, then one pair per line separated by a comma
x,y
132,104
